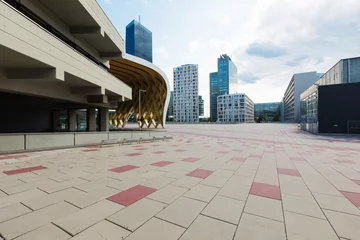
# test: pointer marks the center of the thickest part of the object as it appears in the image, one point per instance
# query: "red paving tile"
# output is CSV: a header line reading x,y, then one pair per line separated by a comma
x,y
290,172
133,154
191,159
255,156
12,157
90,150
222,152
237,150
180,150
297,159
352,197
200,173
161,163
24,170
159,152
240,159
123,168
345,161
357,181
265,190
131,195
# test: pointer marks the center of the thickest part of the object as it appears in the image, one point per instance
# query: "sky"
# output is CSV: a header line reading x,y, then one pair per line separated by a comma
x,y
268,40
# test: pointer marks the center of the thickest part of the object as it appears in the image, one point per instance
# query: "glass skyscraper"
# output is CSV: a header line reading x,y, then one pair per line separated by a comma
x,y
139,41
220,82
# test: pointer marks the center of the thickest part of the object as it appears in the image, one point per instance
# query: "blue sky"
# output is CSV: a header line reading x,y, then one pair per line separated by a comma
x,y
269,40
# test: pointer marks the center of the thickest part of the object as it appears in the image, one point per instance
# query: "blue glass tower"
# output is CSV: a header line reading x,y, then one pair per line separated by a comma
x,y
220,82
138,41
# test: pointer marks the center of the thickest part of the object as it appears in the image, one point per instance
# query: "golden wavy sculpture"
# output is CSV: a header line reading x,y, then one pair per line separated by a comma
x,y
144,76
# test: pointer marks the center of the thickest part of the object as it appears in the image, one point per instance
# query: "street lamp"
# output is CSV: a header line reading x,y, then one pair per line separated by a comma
x,y
140,103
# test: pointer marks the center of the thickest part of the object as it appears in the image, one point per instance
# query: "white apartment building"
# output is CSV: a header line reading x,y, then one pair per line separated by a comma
x,y
236,107
186,91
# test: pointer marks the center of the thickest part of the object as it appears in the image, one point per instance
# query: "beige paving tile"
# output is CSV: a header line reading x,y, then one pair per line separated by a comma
x,y
98,183
296,190
182,212
340,204
52,198
27,186
241,180
12,211
126,184
345,225
54,187
264,207
306,206
80,220
231,165
235,191
103,230
215,181
253,227
290,180
168,194
267,179
157,229
136,214
348,187
186,182
158,182
151,174
16,198
205,228
202,192
2,194
177,174
46,232
226,209
304,227
94,196
26,223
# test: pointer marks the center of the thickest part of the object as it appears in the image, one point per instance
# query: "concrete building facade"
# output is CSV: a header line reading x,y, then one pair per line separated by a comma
x,y
186,93
235,108
63,66
291,100
201,106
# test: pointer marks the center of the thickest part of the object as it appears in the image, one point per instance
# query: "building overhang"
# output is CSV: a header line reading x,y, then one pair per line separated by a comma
x,y
87,21
150,91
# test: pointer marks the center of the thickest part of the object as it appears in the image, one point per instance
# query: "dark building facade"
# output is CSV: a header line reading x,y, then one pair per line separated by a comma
x,y
267,111
139,41
331,105
220,82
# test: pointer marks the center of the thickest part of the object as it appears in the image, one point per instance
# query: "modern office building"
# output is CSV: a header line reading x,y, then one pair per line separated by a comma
x,y
220,82
331,105
139,41
291,100
201,106
186,93
235,108
267,111
62,68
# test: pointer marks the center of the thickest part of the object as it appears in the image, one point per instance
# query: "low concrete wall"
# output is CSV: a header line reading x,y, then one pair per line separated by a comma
x,y
11,143
90,138
54,140
41,141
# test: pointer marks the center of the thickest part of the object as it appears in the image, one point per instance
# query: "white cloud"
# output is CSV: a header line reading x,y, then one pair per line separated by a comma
x,y
107,1
160,52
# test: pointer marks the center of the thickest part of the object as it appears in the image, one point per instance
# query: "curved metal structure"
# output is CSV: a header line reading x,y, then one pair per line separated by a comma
x,y
150,91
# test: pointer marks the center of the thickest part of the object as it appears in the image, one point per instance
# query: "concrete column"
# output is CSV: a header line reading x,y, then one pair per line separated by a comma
x,y
104,119
91,119
56,121
72,120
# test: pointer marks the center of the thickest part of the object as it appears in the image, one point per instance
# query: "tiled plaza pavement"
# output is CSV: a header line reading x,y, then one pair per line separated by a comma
x,y
249,181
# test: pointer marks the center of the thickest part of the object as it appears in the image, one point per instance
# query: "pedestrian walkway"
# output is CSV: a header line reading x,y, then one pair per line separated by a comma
x,y
211,182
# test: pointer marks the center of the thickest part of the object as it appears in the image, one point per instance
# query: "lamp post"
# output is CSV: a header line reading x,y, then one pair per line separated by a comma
x,y
140,103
